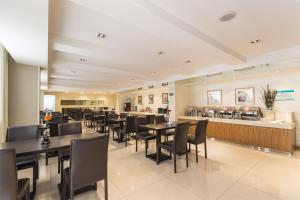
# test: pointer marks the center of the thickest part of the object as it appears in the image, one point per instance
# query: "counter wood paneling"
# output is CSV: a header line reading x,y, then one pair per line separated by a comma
x,y
279,139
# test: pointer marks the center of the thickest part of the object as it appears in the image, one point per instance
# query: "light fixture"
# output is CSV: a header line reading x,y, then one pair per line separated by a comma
x,y
188,62
74,71
277,71
101,35
227,16
83,59
81,92
132,79
160,53
153,73
255,41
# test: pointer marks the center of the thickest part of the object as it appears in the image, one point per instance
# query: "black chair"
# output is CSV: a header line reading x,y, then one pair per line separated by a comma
x,y
161,119
53,126
199,137
178,145
123,115
67,129
150,119
10,187
88,165
19,133
100,123
142,133
112,125
128,129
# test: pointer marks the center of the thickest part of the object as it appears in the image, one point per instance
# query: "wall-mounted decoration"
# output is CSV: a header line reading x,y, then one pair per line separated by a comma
x,y
244,96
151,99
164,98
140,100
285,95
82,102
214,97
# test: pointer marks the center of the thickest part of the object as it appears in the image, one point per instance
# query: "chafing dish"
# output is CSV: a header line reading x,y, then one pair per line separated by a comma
x,y
227,112
191,111
249,113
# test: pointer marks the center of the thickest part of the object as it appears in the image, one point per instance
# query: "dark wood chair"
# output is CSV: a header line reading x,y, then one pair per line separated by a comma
x,y
166,134
128,129
88,165
142,133
199,137
67,129
19,133
53,126
150,119
112,126
10,187
176,146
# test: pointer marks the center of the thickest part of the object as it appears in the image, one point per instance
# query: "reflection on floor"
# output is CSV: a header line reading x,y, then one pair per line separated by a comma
x,y
231,172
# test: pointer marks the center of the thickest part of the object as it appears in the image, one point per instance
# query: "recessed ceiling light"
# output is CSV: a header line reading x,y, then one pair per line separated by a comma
x,y
255,41
83,59
81,92
277,71
132,79
73,71
188,62
160,53
153,73
228,16
101,35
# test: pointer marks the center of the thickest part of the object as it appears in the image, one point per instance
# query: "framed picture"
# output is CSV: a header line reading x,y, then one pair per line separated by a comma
x,y
151,99
214,97
164,98
244,96
140,100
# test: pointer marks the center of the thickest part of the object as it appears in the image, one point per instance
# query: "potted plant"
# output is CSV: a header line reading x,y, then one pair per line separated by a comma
x,y
268,96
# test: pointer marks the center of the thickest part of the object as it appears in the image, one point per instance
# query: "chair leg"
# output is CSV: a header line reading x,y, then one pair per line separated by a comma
x,y
46,159
187,159
146,147
95,186
71,194
196,153
205,149
157,155
37,169
175,168
61,170
189,147
136,145
58,165
27,195
34,178
106,188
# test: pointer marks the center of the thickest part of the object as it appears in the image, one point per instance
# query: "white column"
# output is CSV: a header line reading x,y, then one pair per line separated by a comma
x,y
3,92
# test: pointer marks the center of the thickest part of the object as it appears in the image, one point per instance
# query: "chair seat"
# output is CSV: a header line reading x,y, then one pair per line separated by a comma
x,y
26,161
52,153
64,154
191,139
168,132
114,126
23,185
167,144
145,135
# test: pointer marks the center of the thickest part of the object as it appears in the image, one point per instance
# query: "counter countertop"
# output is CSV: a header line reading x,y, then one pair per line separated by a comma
x,y
142,113
270,124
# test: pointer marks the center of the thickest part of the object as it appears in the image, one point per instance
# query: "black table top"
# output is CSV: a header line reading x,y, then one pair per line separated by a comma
x,y
161,126
34,145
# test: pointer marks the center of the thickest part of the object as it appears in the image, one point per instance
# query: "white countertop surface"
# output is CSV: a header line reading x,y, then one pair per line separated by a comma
x,y
270,124
142,113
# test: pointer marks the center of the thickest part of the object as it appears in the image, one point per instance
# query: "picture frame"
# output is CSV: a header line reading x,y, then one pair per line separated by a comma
x,y
164,98
140,100
214,97
151,98
244,96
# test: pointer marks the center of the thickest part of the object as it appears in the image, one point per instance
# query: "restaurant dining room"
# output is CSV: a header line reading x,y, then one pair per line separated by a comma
x,y
150,99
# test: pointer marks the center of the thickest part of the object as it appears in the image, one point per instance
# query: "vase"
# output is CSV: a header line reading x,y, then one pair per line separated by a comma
x,y
269,114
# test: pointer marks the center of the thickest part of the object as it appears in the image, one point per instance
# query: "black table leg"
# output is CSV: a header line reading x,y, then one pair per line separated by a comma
x,y
162,156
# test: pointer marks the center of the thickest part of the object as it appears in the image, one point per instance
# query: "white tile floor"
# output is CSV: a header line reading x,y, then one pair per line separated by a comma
x,y
231,172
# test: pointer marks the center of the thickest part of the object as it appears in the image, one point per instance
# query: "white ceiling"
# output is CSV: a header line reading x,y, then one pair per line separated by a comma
x,y
136,30
24,30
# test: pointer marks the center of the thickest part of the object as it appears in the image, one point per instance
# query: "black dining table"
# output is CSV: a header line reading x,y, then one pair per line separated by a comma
x,y
120,121
159,128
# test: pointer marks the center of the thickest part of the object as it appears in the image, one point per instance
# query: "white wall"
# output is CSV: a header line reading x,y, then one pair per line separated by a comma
x,y
23,94
157,93
198,92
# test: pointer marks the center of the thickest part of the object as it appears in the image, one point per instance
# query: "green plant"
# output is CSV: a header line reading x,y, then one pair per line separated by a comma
x,y
268,97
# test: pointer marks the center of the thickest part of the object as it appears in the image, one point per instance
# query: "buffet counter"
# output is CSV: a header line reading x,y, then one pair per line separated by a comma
x,y
135,113
275,135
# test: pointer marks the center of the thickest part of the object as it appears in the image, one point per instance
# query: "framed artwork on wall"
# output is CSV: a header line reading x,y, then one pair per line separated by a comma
x,y
140,100
151,99
244,96
164,98
214,97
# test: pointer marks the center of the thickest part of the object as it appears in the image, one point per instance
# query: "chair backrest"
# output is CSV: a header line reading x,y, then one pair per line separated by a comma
x,y
140,121
22,133
53,126
150,119
200,131
88,163
130,124
123,115
69,128
65,119
180,137
159,119
8,174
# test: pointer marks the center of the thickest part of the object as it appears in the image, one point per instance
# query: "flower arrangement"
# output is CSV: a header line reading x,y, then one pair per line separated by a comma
x,y
268,97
